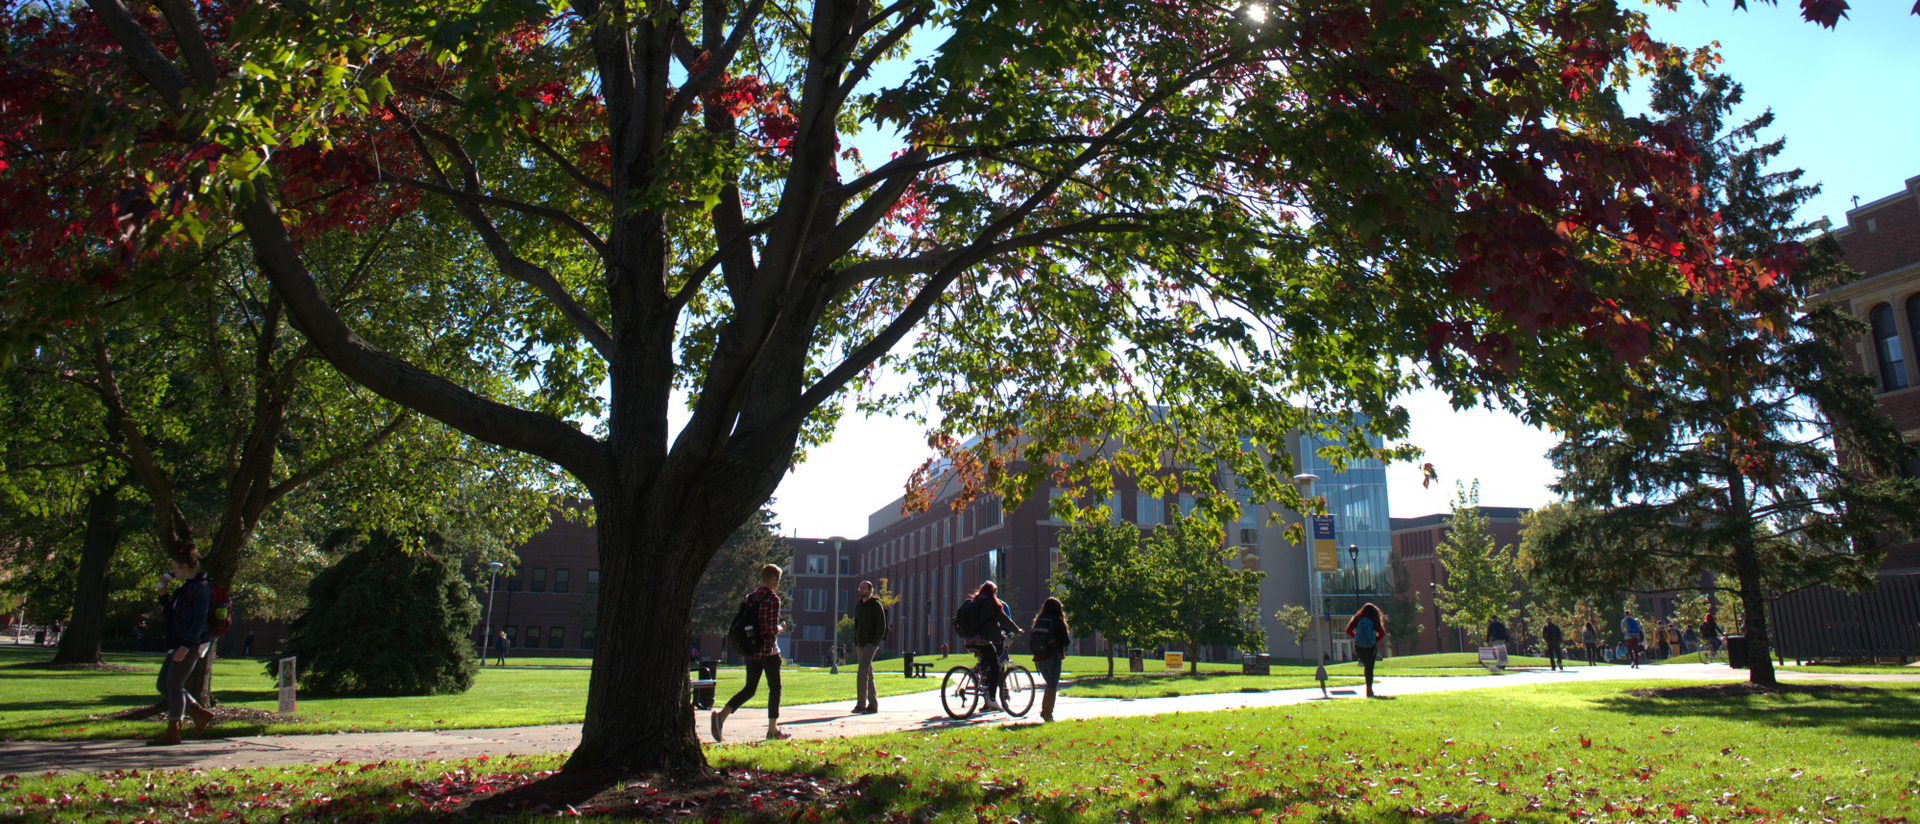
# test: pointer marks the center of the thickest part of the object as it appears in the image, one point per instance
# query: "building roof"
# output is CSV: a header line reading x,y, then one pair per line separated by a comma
x,y
1495,514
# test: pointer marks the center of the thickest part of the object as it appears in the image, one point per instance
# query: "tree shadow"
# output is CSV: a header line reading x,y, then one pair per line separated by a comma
x,y
1879,713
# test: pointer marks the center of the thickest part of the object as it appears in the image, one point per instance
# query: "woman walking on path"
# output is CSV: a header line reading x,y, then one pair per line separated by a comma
x,y
1591,637
1366,628
187,640
1709,638
869,629
765,659
1051,635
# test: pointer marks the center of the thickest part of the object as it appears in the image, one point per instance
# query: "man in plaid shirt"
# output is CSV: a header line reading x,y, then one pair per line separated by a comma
x,y
765,659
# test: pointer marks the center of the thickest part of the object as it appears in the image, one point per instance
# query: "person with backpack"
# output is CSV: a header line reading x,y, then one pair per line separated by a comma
x,y
1590,636
763,656
1709,638
1367,627
1552,635
1496,632
983,623
188,636
1630,633
869,629
1048,642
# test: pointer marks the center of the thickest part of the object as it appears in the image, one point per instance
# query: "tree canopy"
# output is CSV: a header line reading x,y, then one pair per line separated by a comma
x,y
1481,576
1179,584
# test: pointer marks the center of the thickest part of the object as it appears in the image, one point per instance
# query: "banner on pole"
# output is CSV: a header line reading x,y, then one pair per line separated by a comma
x,y
1326,556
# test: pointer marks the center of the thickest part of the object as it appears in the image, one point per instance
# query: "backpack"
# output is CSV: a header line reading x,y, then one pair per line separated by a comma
x,y
219,611
1040,641
1632,628
743,636
1363,633
966,621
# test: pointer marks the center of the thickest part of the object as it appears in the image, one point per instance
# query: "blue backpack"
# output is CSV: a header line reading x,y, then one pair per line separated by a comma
x,y
1363,633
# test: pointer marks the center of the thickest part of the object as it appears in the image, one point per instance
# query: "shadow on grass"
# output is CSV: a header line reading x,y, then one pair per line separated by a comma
x,y
90,705
1881,713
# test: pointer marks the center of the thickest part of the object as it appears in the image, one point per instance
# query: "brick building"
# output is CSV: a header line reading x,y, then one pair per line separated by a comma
x,y
546,606
1414,540
1881,240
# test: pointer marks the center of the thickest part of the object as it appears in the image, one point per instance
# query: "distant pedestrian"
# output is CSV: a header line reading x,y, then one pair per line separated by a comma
x,y
1710,638
1619,653
869,629
185,613
1051,636
500,648
246,645
1660,637
1366,628
1632,635
693,655
995,625
1551,634
1591,638
765,659
1674,644
1496,632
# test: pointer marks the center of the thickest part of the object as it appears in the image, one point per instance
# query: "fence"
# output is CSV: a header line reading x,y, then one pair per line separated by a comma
x,y
1825,623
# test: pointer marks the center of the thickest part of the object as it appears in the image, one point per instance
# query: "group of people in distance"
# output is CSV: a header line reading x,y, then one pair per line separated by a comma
x,y
1667,640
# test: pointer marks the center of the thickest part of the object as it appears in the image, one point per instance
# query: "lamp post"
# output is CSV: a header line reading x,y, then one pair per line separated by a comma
x,y
1305,481
486,632
833,631
1353,556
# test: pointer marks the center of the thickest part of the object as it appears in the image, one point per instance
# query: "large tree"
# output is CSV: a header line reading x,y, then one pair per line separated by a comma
x,y
1179,584
1184,225
1751,453
1481,578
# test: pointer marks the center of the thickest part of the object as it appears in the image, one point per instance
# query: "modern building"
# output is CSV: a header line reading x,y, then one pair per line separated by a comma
x,y
1881,239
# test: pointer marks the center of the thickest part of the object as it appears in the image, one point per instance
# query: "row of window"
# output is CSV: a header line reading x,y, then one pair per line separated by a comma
x,y
536,581
555,637
1887,347
983,515
816,600
817,565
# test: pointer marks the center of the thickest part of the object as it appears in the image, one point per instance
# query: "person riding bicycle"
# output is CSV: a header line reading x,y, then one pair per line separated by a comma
x,y
993,623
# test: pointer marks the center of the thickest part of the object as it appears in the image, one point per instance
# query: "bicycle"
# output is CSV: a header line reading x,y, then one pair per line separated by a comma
x,y
961,691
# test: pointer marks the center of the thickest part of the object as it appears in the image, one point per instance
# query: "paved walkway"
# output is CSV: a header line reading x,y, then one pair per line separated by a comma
x,y
919,711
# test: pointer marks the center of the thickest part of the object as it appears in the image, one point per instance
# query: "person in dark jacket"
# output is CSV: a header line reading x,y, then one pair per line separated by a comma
x,y
1051,625
1709,638
1367,628
1496,632
869,629
765,660
500,648
987,646
1590,636
185,612
1552,635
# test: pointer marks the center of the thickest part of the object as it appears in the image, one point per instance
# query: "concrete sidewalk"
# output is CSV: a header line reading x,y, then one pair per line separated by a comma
x,y
919,711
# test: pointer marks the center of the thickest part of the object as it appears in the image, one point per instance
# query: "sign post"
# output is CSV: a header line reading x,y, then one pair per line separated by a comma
x,y
1175,661
288,674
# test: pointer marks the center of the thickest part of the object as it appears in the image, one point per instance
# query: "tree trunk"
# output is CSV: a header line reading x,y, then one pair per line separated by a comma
x,y
80,642
639,715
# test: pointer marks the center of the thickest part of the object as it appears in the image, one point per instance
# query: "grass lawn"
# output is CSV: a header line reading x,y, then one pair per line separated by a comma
x,y
1581,752
50,704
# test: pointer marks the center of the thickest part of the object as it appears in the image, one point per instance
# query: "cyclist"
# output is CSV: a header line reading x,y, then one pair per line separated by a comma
x,y
988,643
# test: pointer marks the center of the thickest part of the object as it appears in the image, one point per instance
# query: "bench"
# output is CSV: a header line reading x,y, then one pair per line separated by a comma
x,y
919,670
702,689
1494,657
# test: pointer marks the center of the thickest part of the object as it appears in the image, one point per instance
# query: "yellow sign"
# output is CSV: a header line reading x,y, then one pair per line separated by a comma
x,y
1173,661
1326,556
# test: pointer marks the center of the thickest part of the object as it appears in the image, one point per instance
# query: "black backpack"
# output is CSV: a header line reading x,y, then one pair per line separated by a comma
x,y
1041,641
966,622
743,637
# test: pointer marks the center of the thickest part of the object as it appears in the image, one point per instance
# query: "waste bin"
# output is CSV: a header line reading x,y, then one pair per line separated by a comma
x,y
703,697
40,638
1737,651
906,665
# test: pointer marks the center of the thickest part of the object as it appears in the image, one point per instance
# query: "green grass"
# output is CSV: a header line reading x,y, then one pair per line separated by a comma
x,y
1551,754
46,704
1123,685
1862,669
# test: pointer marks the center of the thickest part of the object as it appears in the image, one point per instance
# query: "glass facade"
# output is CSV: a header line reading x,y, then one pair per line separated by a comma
x,y
1357,500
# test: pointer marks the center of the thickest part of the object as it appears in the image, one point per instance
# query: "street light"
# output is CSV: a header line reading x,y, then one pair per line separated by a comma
x,y
833,657
1305,481
1353,556
486,633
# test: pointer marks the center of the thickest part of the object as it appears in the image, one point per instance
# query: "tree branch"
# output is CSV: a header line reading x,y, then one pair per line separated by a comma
x,y
186,34
579,175
322,467
717,63
142,54
479,199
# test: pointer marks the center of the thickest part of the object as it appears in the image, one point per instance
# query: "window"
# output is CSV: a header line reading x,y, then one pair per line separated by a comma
x,y
556,638
593,582
560,580
513,582
1147,511
1112,503
1186,506
1249,537
813,632
841,601
846,565
816,600
990,514
586,637
539,583
513,636
816,564
1886,344
533,638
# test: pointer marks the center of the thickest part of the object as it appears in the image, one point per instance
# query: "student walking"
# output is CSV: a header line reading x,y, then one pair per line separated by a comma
x,y
1709,638
500,648
869,629
1591,638
766,659
1660,633
1496,632
1051,635
187,640
1551,634
992,624
1630,633
1367,627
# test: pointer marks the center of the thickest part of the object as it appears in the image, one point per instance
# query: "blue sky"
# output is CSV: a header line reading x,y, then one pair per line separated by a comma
x,y
1847,100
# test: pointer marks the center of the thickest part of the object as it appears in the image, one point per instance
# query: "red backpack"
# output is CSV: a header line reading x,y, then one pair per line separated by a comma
x,y
219,611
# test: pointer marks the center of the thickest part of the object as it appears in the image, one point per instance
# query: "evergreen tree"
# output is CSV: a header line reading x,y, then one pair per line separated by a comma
x,y
1480,576
735,571
1751,450
386,620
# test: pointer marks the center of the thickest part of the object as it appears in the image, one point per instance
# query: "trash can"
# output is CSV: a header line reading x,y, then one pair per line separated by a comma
x,y
703,697
40,638
1737,651
906,665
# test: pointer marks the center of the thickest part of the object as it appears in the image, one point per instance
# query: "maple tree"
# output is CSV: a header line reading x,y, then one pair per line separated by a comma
x,y
1480,582
1174,227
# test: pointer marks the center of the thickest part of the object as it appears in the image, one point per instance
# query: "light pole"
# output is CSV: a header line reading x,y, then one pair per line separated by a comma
x,y
1305,481
486,633
833,657
1353,555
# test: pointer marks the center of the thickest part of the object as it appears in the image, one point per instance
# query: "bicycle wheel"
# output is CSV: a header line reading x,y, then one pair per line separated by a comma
x,y
958,696
1016,691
